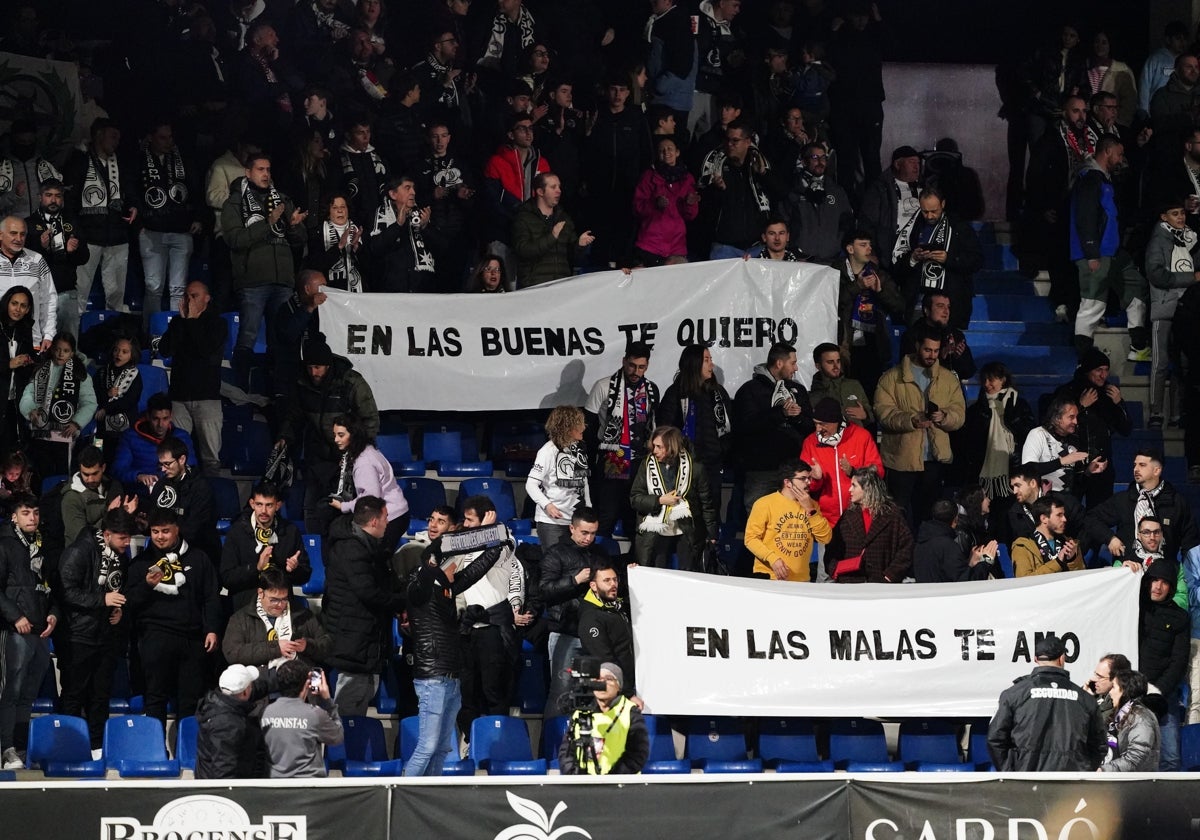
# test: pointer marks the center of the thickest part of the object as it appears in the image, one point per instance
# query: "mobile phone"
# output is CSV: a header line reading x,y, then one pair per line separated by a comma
x,y
314,681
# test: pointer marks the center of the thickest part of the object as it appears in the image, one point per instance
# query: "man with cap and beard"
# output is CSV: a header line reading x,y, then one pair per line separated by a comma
x,y
328,386
1102,412
617,731
890,205
230,744
1045,722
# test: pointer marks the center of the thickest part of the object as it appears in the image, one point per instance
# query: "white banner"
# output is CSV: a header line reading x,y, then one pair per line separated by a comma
x,y
709,645
546,346
48,93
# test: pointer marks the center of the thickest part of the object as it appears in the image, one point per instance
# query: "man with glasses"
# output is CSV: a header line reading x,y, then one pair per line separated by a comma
x,y
188,495
507,184
818,211
1101,682
270,630
733,183
443,92
784,525
136,461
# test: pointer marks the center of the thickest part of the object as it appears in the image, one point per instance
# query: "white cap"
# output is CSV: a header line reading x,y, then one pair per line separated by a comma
x,y
237,678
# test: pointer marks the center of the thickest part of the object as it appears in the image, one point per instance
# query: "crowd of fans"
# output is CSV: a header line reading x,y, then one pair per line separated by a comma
x,y
500,147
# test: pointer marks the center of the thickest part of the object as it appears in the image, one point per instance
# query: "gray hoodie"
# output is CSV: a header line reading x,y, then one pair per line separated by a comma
x,y
294,730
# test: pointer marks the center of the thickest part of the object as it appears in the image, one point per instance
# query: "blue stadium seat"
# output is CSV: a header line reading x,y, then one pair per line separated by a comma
x,y
232,320
1189,749
158,328
423,494
718,745
498,490
154,381
135,747
395,447
530,688
47,699
61,747
453,469
859,745
385,697
316,583
930,745
251,448
293,503
187,733
226,500
442,446
664,767
52,481
406,744
978,753
662,742
1005,560
554,729
790,746
500,745
366,748
408,468
94,318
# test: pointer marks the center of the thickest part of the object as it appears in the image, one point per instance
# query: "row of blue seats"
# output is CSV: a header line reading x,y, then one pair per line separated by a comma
x,y
160,320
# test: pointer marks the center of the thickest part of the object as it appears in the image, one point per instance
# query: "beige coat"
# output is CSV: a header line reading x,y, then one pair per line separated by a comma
x,y
899,401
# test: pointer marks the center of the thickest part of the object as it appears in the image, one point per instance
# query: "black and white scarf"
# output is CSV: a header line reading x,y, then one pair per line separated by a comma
x,y
445,172
1001,444
720,415
279,629
163,182
326,20
57,405
257,207
386,215
264,536
448,95
714,167
101,186
495,45
344,272
345,487
45,171
1049,548
666,520
936,238
33,544
1143,507
908,209
111,574
618,411
833,438
171,566
1182,243
348,173
120,379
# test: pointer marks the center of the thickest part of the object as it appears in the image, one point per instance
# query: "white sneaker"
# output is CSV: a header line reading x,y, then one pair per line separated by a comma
x,y
97,755
11,760
1060,313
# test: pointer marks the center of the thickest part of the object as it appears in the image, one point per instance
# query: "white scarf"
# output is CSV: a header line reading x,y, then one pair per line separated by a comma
x,y
781,393
1000,445
345,269
1182,243
101,185
45,171
495,46
279,630
666,520
172,568
386,215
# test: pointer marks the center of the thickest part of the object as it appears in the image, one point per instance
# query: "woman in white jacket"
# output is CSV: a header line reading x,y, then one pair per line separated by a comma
x,y
365,472
558,480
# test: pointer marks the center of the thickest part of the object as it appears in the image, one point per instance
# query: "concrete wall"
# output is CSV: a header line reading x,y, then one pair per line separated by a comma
x,y
926,102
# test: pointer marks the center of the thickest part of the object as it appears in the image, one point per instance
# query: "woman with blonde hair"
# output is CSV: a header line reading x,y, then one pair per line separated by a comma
x,y
672,497
558,480
871,542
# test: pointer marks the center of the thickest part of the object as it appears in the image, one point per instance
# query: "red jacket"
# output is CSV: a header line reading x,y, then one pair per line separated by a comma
x,y
833,489
504,167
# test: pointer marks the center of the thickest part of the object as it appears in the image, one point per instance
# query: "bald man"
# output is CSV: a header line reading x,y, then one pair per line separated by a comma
x,y
21,267
195,341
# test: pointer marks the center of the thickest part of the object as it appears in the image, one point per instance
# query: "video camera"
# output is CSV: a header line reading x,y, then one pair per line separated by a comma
x,y
584,675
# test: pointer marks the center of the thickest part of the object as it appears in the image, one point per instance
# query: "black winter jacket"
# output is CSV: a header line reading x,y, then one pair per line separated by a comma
x,y
709,447
230,744
939,558
432,617
359,602
607,633
1100,420
1164,633
239,557
765,436
560,564
246,642
82,595
194,612
310,411
1116,512
23,592
196,347
1046,722
191,497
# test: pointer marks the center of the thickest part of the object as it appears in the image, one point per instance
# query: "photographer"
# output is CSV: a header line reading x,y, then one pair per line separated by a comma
x,y
610,737
295,725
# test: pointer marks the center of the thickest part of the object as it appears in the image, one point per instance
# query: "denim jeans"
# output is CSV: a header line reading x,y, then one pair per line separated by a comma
x,y
439,700
255,303
1169,758
26,658
165,257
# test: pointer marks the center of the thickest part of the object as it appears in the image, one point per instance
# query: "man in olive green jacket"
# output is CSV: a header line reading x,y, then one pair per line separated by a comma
x,y
543,235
